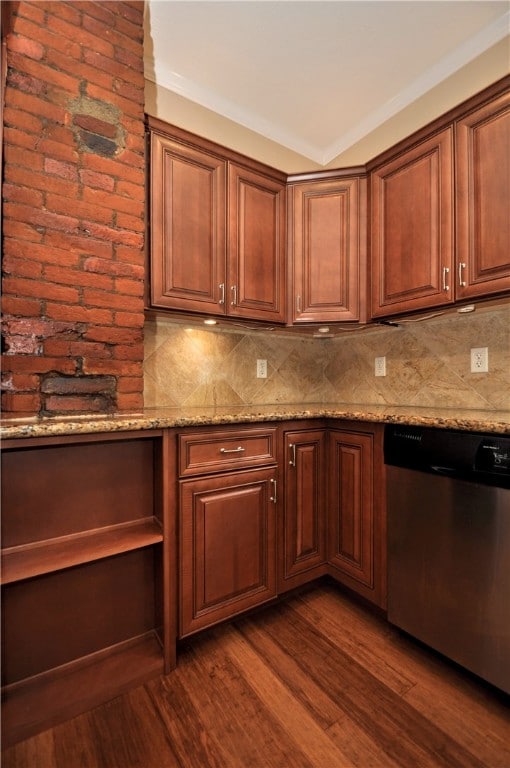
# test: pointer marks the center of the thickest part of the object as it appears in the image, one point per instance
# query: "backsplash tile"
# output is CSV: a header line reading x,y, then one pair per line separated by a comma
x,y
428,364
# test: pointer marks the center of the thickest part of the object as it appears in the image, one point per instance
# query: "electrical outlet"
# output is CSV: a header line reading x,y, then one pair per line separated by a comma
x,y
380,366
261,369
480,360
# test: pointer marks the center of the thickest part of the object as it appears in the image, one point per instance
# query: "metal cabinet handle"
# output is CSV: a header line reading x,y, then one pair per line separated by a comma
x,y
462,266
273,498
446,272
298,304
233,288
222,293
239,449
292,461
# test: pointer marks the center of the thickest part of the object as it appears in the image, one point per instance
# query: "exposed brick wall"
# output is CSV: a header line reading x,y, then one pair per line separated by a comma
x,y
73,208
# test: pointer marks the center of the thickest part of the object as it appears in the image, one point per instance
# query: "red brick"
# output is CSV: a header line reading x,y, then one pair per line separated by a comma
x,y
19,382
115,202
41,252
81,35
114,36
78,385
59,133
26,83
40,364
79,314
61,169
81,209
132,60
62,348
35,105
17,118
113,367
16,43
14,305
23,287
38,31
130,255
77,404
20,403
97,180
31,11
132,223
40,217
134,191
134,108
129,402
26,178
93,298
113,168
130,319
18,229
130,287
23,345
56,149
81,244
114,235
80,69
128,352
133,159
117,68
133,11
130,384
68,11
128,90
100,11
45,74
135,143
19,138
38,327
114,335
24,195
107,267
23,157
94,125
133,31
59,274
21,267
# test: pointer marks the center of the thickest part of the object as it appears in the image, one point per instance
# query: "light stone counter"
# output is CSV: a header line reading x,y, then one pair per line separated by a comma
x,y
497,422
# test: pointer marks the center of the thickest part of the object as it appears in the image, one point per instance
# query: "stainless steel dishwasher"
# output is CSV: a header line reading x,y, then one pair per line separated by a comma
x,y
449,544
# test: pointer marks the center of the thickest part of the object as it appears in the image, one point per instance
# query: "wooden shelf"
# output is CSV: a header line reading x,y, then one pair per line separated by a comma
x,y
35,559
38,703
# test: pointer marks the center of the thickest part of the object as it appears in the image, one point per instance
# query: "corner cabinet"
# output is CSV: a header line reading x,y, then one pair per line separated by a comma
x,y
356,510
302,535
86,574
483,200
327,249
217,229
227,524
412,224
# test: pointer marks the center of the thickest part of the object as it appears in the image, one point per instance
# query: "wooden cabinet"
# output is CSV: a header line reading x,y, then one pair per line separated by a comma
x,y
86,574
483,200
356,510
327,249
217,229
303,526
227,527
412,221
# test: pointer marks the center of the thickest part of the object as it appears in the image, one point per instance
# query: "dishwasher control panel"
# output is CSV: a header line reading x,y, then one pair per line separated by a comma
x,y
494,455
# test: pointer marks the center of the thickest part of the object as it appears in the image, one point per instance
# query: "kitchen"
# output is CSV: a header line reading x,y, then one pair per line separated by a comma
x,y
178,365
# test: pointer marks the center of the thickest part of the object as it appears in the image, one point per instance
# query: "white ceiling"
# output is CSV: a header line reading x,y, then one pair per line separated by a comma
x,y
314,76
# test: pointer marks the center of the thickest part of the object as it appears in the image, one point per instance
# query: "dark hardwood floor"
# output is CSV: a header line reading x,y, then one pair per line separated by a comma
x,y
316,681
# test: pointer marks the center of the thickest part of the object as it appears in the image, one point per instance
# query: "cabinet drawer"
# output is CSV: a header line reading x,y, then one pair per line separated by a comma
x,y
207,452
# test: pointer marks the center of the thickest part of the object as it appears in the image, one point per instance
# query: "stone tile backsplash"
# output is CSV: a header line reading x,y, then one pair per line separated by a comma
x,y
427,363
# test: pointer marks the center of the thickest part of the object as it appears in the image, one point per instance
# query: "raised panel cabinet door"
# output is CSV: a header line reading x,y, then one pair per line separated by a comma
x,y
328,249
351,520
304,525
227,546
412,225
483,200
188,248
256,283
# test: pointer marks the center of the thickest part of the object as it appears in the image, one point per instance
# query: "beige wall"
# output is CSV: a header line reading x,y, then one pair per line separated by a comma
x,y
481,72
427,365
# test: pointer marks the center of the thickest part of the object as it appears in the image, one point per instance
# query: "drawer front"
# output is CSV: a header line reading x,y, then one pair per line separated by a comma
x,y
207,452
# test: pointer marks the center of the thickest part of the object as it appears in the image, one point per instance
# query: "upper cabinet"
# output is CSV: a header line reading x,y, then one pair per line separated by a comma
x,y
483,200
440,201
327,249
413,228
217,230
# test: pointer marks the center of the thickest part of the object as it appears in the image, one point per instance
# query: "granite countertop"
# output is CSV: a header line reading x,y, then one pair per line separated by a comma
x,y
497,422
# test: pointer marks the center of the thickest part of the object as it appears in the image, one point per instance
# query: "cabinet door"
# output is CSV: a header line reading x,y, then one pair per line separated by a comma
x,y
304,543
188,252
483,200
328,249
356,512
412,228
227,546
256,283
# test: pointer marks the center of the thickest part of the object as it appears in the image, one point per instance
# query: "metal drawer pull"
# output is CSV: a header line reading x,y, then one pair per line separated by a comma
x,y
446,271
273,497
239,449
462,266
233,288
292,461
222,293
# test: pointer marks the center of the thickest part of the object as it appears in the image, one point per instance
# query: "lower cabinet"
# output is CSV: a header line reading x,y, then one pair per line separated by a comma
x,y
303,521
356,511
227,525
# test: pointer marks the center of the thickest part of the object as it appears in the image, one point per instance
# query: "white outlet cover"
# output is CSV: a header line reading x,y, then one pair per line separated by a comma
x,y
479,360
261,369
380,366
